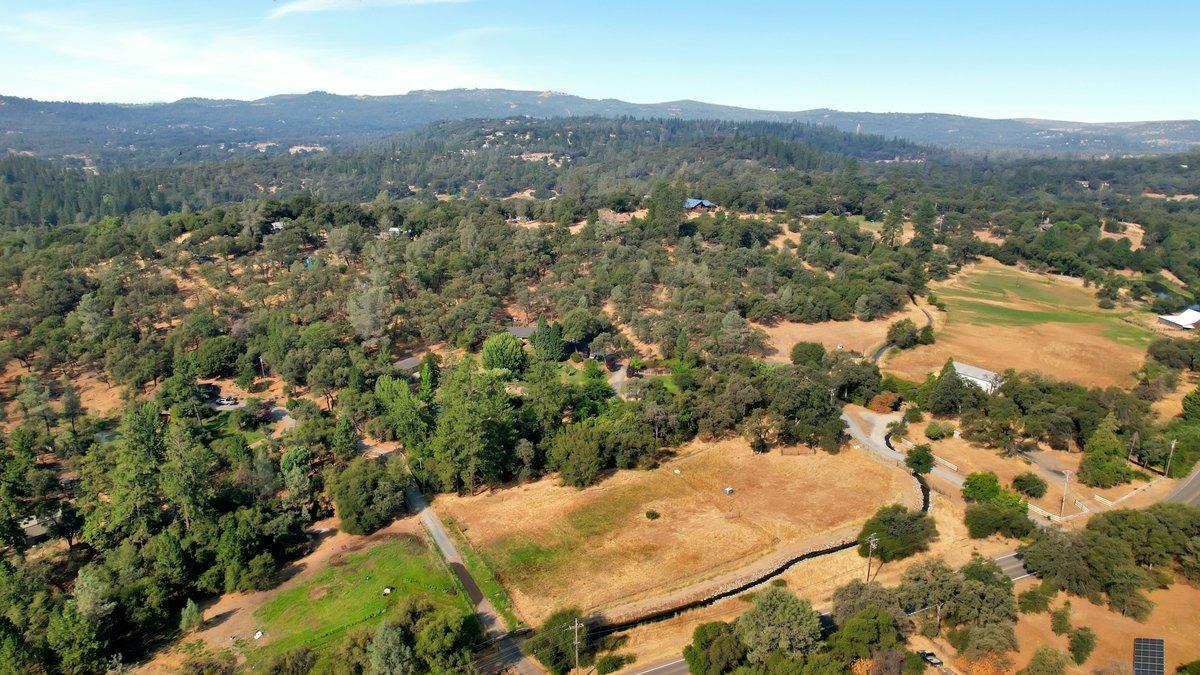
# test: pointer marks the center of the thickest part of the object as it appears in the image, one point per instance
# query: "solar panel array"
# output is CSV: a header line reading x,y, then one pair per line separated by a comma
x,y
1149,656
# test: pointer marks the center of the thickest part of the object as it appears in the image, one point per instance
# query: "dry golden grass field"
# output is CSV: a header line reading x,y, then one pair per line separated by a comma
x,y
1000,317
859,336
1173,619
555,546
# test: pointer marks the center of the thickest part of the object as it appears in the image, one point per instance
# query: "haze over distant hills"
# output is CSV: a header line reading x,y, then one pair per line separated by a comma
x,y
108,134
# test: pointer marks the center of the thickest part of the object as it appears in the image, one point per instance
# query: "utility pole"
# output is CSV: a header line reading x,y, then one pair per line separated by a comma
x,y
1167,473
873,543
575,626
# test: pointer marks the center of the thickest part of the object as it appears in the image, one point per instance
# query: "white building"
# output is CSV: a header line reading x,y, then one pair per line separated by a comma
x,y
984,379
1187,319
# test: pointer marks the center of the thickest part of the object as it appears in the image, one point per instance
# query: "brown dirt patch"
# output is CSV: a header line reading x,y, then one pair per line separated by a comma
x,y
1173,619
855,335
1171,405
1133,232
556,546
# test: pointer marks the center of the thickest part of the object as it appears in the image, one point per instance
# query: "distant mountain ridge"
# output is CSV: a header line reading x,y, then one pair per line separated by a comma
x,y
197,128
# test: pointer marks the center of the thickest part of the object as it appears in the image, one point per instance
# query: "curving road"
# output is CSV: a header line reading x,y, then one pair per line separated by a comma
x,y
878,353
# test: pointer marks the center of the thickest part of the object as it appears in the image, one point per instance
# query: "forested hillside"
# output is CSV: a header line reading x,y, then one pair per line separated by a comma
x,y
188,130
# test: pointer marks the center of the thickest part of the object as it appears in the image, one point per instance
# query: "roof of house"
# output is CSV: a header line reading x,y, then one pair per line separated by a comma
x,y
410,363
522,332
975,372
691,203
1188,318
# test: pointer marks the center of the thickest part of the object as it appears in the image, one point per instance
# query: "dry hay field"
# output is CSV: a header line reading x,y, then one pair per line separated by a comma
x,y
814,580
1173,619
855,335
1133,232
554,546
1000,317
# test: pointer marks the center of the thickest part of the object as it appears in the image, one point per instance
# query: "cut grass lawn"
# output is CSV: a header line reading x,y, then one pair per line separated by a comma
x,y
349,594
1001,317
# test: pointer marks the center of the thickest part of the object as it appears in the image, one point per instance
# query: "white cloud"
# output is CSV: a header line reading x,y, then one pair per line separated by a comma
x,y
303,6
75,58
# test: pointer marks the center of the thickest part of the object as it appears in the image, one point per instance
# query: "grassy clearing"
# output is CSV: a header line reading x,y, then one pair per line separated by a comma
x,y
1008,297
349,594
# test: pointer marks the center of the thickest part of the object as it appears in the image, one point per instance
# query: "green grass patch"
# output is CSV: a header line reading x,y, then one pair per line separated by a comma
x,y
986,300
349,593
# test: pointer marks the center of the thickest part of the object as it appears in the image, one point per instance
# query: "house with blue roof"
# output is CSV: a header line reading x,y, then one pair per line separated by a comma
x,y
691,204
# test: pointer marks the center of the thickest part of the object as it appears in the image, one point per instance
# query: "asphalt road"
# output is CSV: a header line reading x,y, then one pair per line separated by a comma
x,y
1188,491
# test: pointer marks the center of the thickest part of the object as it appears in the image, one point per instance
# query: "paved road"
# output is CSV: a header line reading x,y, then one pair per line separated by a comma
x,y
878,353
873,439
505,655
1188,491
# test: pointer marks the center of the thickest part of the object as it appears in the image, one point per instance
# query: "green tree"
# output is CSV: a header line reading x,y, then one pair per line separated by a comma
x,y
899,532
1191,405
903,334
191,618
715,649
778,621
502,350
369,494
470,443
919,458
75,641
1046,661
807,353
343,442
554,646
867,632
1029,484
949,392
217,356
405,413
547,341
1082,644
981,487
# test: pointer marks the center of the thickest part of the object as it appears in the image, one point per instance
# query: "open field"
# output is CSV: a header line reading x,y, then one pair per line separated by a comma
x,y
1174,620
859,336
1133,232
814,580
1000,317
555,546
336,588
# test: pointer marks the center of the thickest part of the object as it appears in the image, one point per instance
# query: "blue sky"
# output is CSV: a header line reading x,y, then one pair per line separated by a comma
x,y
1087,61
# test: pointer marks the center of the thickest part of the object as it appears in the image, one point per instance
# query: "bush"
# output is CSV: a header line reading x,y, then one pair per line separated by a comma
x,y
807,353
652,515
884,403
900,532
1060,619
936,431
903,334
919,458
981,487
912,414
1046,661
1082,643
985,519
1029,484
554,646
1035,600
611,663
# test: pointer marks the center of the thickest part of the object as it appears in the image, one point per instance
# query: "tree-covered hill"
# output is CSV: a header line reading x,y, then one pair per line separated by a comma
x,y
188,130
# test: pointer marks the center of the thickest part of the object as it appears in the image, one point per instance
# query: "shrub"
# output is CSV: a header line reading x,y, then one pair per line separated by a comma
x,y
1035,600
912,414
903,334
807,353
1046,661
1029,484
554,646
1060,619
652,515
936,431
1082,643
611,663
987,518
981,487
885,402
